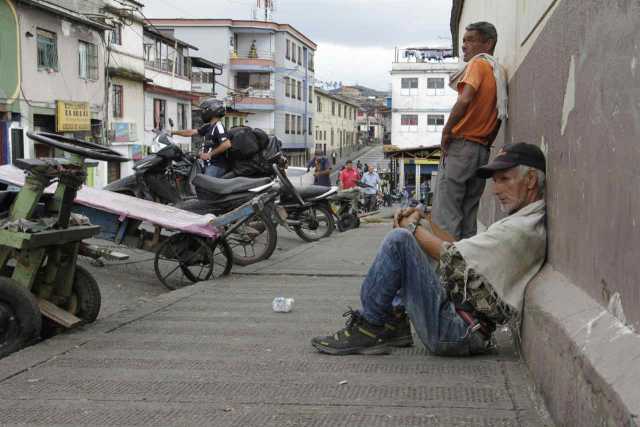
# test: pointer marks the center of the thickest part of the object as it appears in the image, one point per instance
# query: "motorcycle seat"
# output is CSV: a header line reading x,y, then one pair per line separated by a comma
x,y
311,191
228,186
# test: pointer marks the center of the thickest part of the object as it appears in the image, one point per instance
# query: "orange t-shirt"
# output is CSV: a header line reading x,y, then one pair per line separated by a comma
x,y
481,116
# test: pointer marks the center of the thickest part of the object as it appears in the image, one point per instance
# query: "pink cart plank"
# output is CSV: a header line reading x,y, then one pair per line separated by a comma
x,y
129,207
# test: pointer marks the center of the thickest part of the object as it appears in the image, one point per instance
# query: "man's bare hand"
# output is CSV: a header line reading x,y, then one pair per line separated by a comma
x,y
444,143
401,215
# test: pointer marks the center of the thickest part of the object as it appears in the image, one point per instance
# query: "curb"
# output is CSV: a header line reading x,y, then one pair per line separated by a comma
x,y
583,359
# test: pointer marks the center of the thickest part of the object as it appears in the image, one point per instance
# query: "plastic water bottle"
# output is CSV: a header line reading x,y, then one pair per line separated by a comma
x,y
282,305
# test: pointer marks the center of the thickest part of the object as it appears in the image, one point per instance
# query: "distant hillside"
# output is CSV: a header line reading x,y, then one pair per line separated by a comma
x,y
363,91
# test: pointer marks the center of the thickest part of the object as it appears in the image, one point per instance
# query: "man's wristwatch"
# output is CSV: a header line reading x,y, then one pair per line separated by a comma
x,y
412,227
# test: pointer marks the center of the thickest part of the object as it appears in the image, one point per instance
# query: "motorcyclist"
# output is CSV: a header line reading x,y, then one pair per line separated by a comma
x,y
215,136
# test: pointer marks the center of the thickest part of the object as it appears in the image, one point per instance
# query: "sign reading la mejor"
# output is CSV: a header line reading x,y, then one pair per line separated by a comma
x,y
72,116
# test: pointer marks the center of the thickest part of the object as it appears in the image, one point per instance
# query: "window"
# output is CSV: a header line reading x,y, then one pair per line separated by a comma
x,y
286,124
287,89
258,81
325,135
333,108
409,122
339,110
299,55
435,122
310,94
87,61
183,110
299,90
299,119
435,86
409,86
293,52
118,101
288,53
234,122
319,105
159,113
310,126
47,50
311,65
116,34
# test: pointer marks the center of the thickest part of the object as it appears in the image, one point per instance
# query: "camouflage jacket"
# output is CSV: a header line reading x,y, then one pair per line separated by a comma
x,y
473,288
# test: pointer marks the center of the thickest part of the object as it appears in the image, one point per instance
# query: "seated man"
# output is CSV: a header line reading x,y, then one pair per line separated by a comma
x,y
479,282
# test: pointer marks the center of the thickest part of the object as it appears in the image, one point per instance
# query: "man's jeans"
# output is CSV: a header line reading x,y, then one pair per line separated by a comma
x,y
458,192
214,171
402,269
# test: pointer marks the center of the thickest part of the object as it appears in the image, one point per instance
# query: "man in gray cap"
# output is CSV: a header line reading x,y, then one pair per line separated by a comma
x,y
478,283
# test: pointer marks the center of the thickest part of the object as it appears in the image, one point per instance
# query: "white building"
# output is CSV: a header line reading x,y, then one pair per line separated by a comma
x,y
167,94
268,71
126,74
56,57
421,104
422,100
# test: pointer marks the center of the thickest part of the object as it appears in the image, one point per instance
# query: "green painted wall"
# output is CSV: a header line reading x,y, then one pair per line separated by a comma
x,y
9,54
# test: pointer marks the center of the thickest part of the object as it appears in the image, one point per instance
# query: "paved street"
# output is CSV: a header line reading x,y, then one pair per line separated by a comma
x,y
216,354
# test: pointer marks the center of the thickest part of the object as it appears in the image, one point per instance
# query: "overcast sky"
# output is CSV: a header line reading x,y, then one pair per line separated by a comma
x,y
356,38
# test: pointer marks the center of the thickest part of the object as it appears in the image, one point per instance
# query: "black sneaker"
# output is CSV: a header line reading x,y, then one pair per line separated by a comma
x,y
397,331
358,337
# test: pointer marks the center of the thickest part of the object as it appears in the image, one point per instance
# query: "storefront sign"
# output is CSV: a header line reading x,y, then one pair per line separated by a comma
x,y
72,116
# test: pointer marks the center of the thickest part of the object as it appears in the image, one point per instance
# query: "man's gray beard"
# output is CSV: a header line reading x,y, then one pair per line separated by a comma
x,y
506,209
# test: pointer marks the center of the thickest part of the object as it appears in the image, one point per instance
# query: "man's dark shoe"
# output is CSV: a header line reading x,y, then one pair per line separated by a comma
x,y
397,331
358,337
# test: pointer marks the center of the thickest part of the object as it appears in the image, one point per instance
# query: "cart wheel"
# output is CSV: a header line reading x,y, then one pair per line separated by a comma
x,y
183,259
19,317
85,302
222,258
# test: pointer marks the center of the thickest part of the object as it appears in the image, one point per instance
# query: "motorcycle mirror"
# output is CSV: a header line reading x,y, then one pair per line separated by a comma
x,y
171,122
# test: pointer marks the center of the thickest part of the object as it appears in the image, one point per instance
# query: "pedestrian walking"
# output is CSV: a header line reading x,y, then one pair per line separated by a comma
x,y
372,186
469,132
322,167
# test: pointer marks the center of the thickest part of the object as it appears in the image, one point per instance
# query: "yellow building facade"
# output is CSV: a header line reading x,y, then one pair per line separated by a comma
x,y
335,129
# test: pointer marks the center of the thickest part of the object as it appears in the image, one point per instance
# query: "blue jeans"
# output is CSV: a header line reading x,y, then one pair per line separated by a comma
x,y
401,269
214,171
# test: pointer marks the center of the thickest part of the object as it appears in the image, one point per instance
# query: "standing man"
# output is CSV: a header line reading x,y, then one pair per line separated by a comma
x,y
348,177
216,142
372,180
472,127
322,167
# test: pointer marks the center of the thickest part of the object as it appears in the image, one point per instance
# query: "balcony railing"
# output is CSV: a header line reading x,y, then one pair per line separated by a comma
x,y
257,93
248,53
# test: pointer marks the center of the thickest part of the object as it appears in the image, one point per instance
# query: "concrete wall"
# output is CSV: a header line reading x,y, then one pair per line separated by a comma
x,y
214,44
588,132
574,91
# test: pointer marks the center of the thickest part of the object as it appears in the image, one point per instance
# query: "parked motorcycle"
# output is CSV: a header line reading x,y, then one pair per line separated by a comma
x,y
171,176
308,211
347,215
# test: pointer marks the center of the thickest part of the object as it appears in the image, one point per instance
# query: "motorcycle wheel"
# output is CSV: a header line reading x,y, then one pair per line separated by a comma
x,y
313,230
253,241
